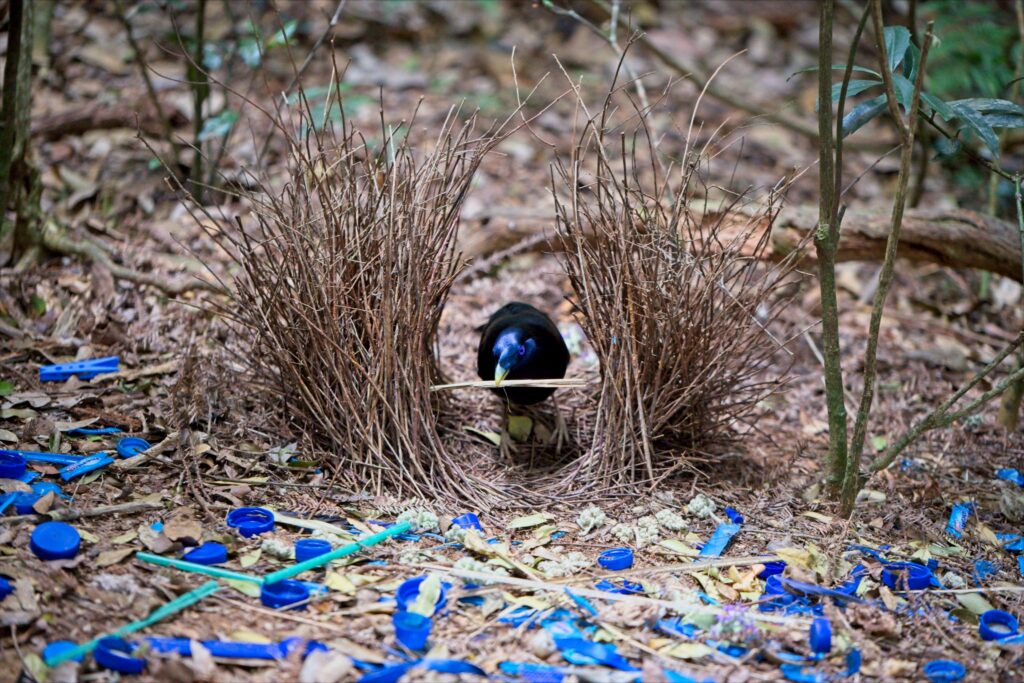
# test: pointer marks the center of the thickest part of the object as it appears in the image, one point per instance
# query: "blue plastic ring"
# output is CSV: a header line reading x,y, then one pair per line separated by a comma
x,y
251,521
944,671
131,446
906,576
411,629
616,559
308,548
284,594
996,624
12,465
116,654
820,636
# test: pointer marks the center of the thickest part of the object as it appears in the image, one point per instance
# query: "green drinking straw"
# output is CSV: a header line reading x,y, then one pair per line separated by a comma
x,y
343,551
196,568
159,614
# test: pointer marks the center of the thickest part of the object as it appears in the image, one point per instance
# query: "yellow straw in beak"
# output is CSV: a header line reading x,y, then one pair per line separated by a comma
x,y
500,373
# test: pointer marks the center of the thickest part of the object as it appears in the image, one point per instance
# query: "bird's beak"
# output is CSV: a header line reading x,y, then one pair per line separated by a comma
x,y
500,374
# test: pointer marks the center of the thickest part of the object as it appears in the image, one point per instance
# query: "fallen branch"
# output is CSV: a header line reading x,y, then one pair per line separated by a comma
x,y
72,514
140,115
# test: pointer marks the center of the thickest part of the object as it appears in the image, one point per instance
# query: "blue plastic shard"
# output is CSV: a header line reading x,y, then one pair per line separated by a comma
x,y
85,369
620,586
1020,564
802,674
734,516
85,465
853,662
47,458
534,673
583,652
870,552
518,616
958,519
810,589
719,540
581,602
92,431
236,649
984,569
1012,475
674,626
7,500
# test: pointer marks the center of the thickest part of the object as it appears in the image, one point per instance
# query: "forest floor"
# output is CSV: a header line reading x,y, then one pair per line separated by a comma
x,y
177,373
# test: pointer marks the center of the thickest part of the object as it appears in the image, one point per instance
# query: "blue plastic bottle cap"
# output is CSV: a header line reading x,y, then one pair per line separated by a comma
x,y
906,576
283,594
59,647
820,636
411,629
772,568
116,654
616,559
944,671
55,541
12,465
308,548
131,445
251,521
996,624
210,552
468,520
6,587
407,592
44,487
23,502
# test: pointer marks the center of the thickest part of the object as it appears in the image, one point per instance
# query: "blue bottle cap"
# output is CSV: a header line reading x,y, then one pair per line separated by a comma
x,y
906,576
284,593
820,635
616,559
944,671
772,568
116,654
411,629
55,541
131,445
208,553
468,520
996,624
407,592
308,548
24,501
251,521
6,587
59,647
12,465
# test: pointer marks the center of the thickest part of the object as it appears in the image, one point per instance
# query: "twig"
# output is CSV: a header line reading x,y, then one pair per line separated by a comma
x,y
70,515
170,441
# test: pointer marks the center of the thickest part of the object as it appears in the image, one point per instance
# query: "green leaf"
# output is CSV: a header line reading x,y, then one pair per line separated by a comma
x,y
249,51
520,427
426,600
879,442
913,60
857,86
897,40
904,91
862,113
38,304
218,126
1004,120
282,36
987,105
948,149
6,387
938,106
839,67
528,521
975,123
974,602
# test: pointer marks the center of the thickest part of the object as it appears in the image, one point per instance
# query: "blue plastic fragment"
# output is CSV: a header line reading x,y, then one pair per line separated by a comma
x,y
820,636
772,568
810,589
853,662
996,624
1013,543
131,446
93,431
674,626
944,671
1020,565
518,616
6,587
984,569
7,500
534,673
581,602
620,586
734,516
410,589
157,526
228,649
870,552
209,553
719,540
906,576
116,654
38,456
411,630
85,369
802,674
1012,475
616,559
394,672
958,519
87,464
58,647
468,520
583,652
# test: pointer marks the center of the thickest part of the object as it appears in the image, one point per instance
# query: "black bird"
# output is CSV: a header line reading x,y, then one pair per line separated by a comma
x,y
520,342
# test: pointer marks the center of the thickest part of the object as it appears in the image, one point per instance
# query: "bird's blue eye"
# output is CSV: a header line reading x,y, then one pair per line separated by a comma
x,y
522,350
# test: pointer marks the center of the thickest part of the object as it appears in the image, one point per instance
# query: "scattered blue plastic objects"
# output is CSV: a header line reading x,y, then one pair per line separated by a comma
x,y
408,590
996,624
394,672
468,520
534,673
89,463
802,674
92,431
228,649
581,602
616,559
1013,543
57,647
906,576
734,516
131,446
85,369
984,569
116,654
719,540
583,652
55,541
209,553
6,587
411,630
820,636
251,521
284,594
1012,475
621,586
944,671
308,548
958,518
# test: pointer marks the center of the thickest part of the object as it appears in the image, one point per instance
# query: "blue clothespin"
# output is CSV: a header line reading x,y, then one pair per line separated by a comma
x,y
85,369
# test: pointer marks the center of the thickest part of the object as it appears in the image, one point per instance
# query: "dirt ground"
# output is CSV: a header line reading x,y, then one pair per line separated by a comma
x,y
180,375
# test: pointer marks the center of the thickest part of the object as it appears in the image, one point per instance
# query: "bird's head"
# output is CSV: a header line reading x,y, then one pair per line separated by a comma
x,y
512,349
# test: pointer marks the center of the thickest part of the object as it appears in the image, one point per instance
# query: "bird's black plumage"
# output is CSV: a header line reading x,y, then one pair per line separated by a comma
x,y
531,344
